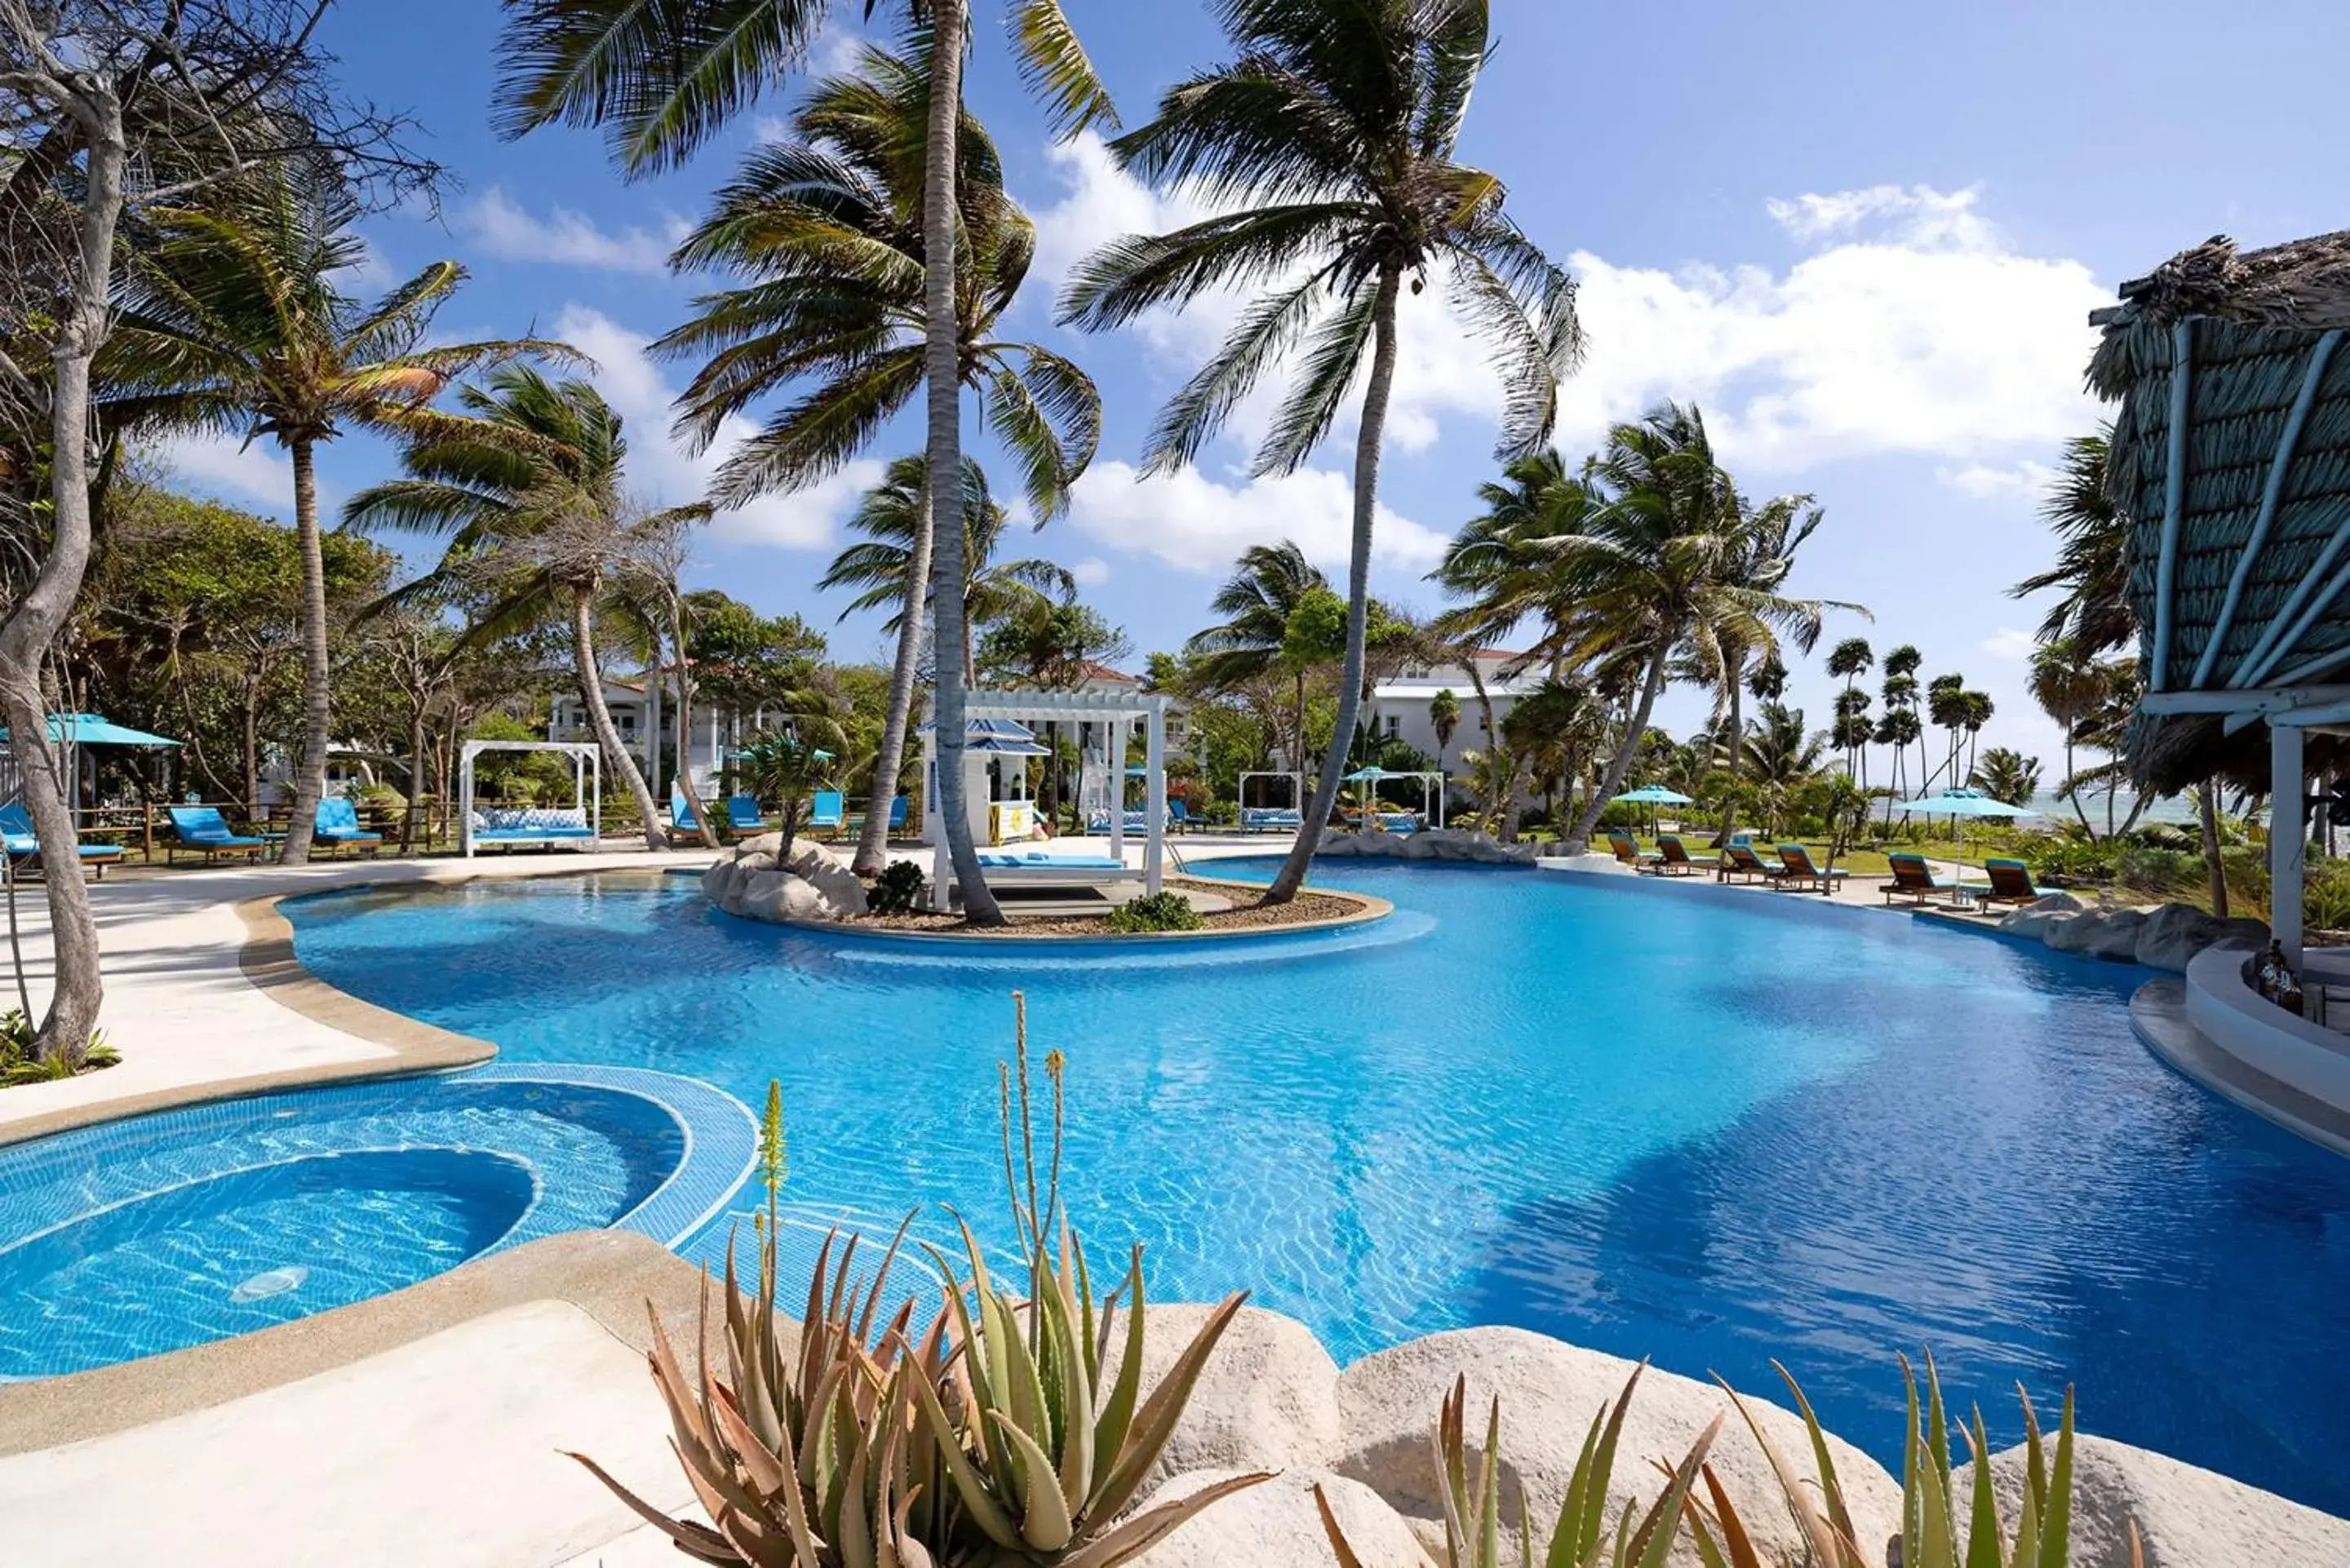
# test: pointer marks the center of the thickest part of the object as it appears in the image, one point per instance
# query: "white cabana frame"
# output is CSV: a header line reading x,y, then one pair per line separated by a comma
x,y
1241,807
586,785
1432,795
1120,712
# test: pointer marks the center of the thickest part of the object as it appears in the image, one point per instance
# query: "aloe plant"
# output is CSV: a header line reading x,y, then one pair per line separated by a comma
x,y
1475,1535
1938,1530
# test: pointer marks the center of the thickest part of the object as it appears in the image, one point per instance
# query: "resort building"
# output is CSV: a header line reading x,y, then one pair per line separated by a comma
x,y
644,710
1400,707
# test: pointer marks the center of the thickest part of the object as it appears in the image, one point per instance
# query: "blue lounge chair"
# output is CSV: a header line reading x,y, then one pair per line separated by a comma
x,y
827,813
742,813
24,844
201,828
1179,817
898,814
338,823
680,814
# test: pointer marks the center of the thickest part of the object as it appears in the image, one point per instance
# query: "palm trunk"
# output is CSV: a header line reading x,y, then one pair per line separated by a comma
x,y
420,777
249,738
873,843
1737,755
1358,588
32,626
2072,792
704,828
1621,763
2215,869
943,371
592,692
310,771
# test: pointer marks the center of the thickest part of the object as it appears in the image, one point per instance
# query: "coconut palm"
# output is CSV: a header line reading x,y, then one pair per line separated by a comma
x,y
1852,659
1779,756
530,489
2091,567
662,79
1259,602
1331,137
231,319
2007,776
1554,729
2070,686
824,235
884,567
1852,732
1444,717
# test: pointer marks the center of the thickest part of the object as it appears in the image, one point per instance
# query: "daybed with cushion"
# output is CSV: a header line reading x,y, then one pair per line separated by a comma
x,y
1270,819
24,844
1034,867
1738,860
514,824
201,828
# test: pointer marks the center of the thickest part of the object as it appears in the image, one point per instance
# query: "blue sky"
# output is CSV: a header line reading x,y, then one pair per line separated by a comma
x,y
1863,237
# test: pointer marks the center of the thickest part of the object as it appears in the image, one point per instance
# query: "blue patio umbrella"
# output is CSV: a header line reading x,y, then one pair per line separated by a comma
x,y
1651,796
90,730
1961,804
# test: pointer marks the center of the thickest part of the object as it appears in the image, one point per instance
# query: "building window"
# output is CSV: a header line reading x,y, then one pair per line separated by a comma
x,y
1395,725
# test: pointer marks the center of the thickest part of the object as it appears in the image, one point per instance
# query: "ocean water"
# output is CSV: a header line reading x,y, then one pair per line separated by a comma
x,y
1658,1121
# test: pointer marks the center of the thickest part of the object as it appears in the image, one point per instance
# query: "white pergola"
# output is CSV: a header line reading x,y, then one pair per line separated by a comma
x,y
1119,711
1432,795
587,780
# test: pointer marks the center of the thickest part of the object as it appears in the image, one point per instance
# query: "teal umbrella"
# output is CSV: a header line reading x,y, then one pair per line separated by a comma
x,y
1651,796
1960,804
90,730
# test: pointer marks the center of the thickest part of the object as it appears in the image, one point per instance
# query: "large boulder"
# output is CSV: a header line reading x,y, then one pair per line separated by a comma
x,y
2176,932
1267,1400
1550,1391
756,881
2186,1517
2116,936
1275,1524
2073,933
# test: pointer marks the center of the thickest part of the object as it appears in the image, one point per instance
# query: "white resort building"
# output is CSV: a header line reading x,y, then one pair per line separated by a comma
x,y
1400,707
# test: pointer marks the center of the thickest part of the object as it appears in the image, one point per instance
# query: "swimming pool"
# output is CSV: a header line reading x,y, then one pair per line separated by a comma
x,y
1677,1122
161,1231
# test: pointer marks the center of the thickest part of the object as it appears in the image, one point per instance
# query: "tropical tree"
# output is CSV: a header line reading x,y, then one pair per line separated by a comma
x,y
662,79
784,771
887,567
1331,139
1852,659
530,489
232,319
1852,732
1975,709
2007,776
1946,707
1259,601
1552,731
1444,717
1900,728
1052,645
1780,756
2091,568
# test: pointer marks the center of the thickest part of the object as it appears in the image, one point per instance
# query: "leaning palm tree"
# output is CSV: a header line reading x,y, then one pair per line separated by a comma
x,y
2094,609
1267,585
530,489
886,567
662,79
1332,132
232,320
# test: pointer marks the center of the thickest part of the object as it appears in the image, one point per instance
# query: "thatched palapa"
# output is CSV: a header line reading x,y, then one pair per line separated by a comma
x,y
2240,517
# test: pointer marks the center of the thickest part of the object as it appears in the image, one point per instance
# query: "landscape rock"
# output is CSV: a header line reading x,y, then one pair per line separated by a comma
x,y
2073,933
1275,1524
2035,923
754,881
1268,1398
2176,932
1430,844
2115,937
1550,1391
2186,1517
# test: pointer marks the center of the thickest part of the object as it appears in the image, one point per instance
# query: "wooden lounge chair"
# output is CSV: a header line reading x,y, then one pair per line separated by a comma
x,y
1738,860
23,846
1802,873
1914,879
1632,854
1674,860
2010,883
337,826
201,828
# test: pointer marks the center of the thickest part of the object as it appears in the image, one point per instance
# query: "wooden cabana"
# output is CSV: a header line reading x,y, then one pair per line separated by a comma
x,y
2231,465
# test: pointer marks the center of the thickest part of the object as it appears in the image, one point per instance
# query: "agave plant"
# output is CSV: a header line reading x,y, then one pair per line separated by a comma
x,y
1043,1461
1474,1533
1936,1530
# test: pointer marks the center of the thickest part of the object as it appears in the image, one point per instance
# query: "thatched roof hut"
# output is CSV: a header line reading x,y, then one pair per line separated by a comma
x,y
2230,461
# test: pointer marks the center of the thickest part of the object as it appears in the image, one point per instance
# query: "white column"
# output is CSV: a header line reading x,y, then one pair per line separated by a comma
x,y
2288,842
465,805
934,825
1118,789
1154,804
652,715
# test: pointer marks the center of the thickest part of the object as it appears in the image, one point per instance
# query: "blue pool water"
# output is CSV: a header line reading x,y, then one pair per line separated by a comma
x,y
145,1235
1705,1129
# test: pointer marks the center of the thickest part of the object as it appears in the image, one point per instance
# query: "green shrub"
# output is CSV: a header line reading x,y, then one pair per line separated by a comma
x,y
19,1065
380,797
896,889
1156,912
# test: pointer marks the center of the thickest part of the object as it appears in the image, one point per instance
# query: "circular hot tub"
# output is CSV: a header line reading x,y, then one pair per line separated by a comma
x,y
165,1230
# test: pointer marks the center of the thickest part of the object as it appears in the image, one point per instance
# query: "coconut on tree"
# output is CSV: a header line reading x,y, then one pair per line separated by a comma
x,y
1331,137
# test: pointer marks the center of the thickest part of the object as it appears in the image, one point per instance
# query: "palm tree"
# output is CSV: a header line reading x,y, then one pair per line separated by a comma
x,y
1900,728
1946,706
2091,565
231,319
886,567
1852,659
1444,717
663,78
2007,776
1974,712
2070,686
1553,729
530,489
1852,732
1332,134
1259,601
1780,755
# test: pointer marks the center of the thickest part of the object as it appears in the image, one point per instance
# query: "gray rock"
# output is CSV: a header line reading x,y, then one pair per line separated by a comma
x,y
768,844
1341,843
1275,1524
2037,923
2186,1517
2243,932
714,880
2053,903
751,861
2072,933
1549,1392
1419,846
2114,939
1267,1400
2176,933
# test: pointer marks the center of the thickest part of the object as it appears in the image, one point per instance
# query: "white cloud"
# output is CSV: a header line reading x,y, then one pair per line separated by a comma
x,y
227,467
1198,524
1091,573
371,270
2009,643
1911,325
671,475
566,238
2025,479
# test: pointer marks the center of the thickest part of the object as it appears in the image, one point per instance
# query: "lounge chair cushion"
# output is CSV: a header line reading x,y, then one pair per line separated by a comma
x,y
1037,860
531,822
202,826
338,819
